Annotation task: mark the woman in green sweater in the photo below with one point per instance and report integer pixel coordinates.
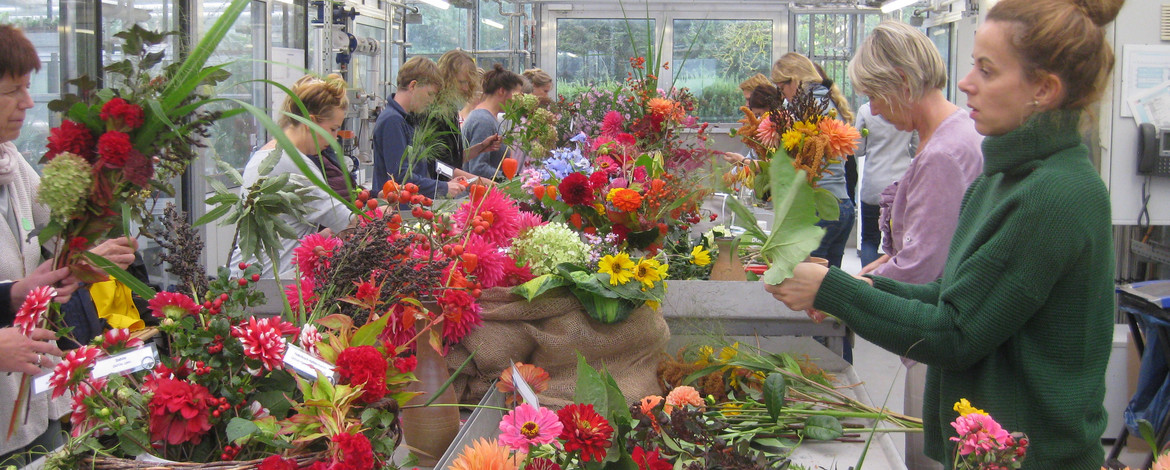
(1021, 322)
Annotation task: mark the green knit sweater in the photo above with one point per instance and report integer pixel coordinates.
(1021, 322)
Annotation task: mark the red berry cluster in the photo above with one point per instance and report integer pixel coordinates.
(201, 368)
(230, 451)
(216, 346)
(214, 307)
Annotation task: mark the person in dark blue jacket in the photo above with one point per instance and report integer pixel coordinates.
(418, 81)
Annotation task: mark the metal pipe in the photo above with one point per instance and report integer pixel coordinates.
(391, 3)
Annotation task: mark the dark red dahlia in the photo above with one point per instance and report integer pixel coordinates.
(114, 148)
(585, 431)
(118, 110)
(179, 412)
(365, 366)
(70, 137)
(650, 460)
(575, 189)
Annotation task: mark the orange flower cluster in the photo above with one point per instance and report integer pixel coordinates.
(625, 199)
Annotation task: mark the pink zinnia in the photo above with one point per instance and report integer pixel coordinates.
(172, 305)
(82, 417)
(263, 340)
(768, 134)
(489, 269)
(35, 304)
(73, 369)
(504, 216)
(526, 426)
(313, 253)
(979, 433)
(118, 339)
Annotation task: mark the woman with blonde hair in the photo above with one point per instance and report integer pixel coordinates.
(461, 85)
(902, 73)
(1021, 322)
(325, 102)
(795, 73)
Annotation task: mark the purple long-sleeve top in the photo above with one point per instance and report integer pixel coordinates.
(920, 211)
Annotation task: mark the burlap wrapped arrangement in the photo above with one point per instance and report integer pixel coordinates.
(549, 332)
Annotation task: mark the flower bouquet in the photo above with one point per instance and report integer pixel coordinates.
(794, 144)
(982, 444)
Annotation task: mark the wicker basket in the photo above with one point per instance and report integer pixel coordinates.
(114, 463)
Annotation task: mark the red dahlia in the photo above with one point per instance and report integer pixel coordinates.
(650, 460)
(179, 412)
(173, 305)
(585, 431)
(575, 189)
(70, 137)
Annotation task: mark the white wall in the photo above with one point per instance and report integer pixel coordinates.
(1136, 24)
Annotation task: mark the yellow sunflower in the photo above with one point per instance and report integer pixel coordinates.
(700, 256)
(649, 271)
(620, 268)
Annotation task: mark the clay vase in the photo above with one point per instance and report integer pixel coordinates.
(429, 430)
(726, 266)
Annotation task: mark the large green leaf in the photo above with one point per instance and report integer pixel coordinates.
(239, 428)
(539, 285)
(823, 428)
(775, 388)
(794, 232)
(136, 286)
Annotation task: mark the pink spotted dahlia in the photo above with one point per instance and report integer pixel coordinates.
(263, 339)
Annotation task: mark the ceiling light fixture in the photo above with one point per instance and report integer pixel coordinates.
(894, 5)
(493, 23)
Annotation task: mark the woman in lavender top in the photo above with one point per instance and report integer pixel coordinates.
(902, 73)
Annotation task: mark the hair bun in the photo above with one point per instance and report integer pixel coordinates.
(1101, 12)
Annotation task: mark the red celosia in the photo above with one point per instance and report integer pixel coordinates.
(36, 302)
(263, 339)
(172, 304)
(118, 339)
(649, 460)
(585, 431)
(82, 417)
(460, 314)
(118, 110)
(276, 462)
(71, 137)
(354, 452)
(73, 369)
(114, 148)
(576, 190)
(179, 412)
(406, 364)
(365, 366)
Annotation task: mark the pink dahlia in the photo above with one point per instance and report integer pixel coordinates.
(313, 253)
(73, 369)
(498, 210)
(34, 306)
(979, 433)
(301, 294)
(607, 165)
(525, 426)
(81, 415)
(460, 314)
(612, 124)
(172, 305)
(263, 339)
(491, 262)
(527, 220)
(768, 134)
(117, 340)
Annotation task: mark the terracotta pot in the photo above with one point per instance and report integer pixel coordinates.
(429, 430)
(816, 260)
(726, 266)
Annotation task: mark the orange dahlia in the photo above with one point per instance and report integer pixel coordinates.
(534, 376)
(661, 107)
(842, 137)
(768, 134)
(625, 199)
(485, 454)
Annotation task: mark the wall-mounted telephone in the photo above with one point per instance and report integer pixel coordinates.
(1153, 150)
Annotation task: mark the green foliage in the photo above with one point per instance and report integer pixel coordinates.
(720, 101)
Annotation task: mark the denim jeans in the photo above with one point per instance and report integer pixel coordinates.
(871, 234)
(1151, 401)
(836, 234)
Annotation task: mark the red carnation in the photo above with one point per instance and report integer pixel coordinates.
(575, 189)
(118, 110)
(70, 137)
(114, 148)
(585, 431)
(354, 452)
(276, 462)
(179, 412)
(365, 366)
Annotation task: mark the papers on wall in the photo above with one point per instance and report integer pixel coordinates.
(1144, 67)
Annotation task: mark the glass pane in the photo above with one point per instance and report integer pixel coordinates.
(366, 68)
(493, 26)
(941, 36)
(153, 15)
(289, 25)
(713, 56)
(440, 31)
(595, 52)
(39, 20)
(802, 32)
(232, 140)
